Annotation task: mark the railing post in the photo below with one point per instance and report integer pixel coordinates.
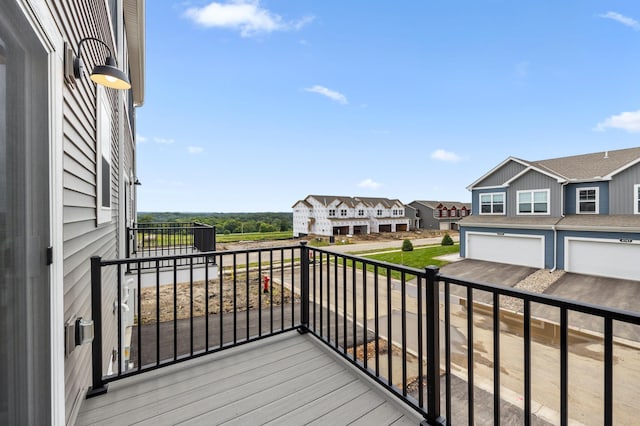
(98, 387)
(304, 287)
(432, 308)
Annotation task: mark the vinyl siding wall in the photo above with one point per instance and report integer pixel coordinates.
(603, 196)
(501, 175)
(621, 190)
(83, 238)
(427, 221)
(532, 181)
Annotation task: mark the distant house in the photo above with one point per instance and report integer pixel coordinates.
(579, 213)
(335, 215)
(440, 215)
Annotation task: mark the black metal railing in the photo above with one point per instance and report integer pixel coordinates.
(418, 333)
(220, 300)
(168, 239)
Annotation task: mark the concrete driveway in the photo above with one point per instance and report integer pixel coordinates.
(484, 272)
(609, 292)
(487, 272)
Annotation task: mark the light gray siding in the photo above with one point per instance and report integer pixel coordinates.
(621, 190)
(82, 236)
(501, 175)
(427, 221)
(534, 180)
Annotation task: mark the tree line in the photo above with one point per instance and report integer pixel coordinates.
(226, 223)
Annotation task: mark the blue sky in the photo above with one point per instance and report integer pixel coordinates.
(253, 105)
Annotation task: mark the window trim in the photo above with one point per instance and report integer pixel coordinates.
(636, 198)
(492, 194)
(103, 134)
(532, 192)
(597, 200)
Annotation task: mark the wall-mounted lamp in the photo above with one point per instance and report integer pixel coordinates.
(107, 75)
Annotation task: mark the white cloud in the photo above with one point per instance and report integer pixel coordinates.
(442, 155)
(247, 16)
(370, 184)
(163, 141)
(624, 20)
(141, 139)
(629, 121)
(195, 149)
(331, 94)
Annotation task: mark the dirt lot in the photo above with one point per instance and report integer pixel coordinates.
(183, 297)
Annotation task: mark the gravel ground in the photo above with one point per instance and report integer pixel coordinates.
(537, 282)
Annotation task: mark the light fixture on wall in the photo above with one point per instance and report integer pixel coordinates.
(106, 75)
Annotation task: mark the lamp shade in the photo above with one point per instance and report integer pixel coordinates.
(110, 76)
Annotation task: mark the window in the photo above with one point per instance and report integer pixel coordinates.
(343, 212)
(587, 201)
(332, 212)
(378, 212)
(103, 154)
(360, 212)
(636, 199)
(533, 202)
(492, 203)
(401, 212)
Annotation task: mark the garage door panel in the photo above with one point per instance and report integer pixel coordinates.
(603, 258)
(511, 249)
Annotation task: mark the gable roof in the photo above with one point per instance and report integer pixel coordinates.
(434, 204)
(598, 165)
(586, 167)
(354, 201)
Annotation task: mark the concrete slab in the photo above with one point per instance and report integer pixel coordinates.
(487, 272)
(610, 292)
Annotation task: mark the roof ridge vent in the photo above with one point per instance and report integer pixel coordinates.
(606, 154)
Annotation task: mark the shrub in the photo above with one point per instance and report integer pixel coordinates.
(407, 245)
(447, 240)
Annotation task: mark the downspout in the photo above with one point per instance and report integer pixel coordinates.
(555, 248)
(555, 230)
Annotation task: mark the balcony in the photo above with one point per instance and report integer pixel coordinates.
(294, 335)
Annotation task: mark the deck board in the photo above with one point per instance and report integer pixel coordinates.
(286, 379)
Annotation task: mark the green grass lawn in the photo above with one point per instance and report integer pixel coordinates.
(418, 258)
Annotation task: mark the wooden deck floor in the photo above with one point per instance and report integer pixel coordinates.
(289, 379)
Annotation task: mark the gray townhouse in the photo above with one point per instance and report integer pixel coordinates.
(579, 213)
(439, 215)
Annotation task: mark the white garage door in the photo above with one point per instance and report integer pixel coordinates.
(608, 258)
(522, 250)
